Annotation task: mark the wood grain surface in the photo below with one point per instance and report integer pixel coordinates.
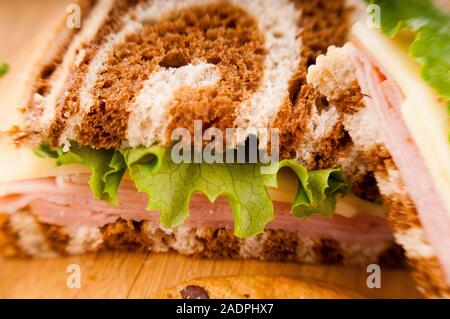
(139, 275)
(123, 274)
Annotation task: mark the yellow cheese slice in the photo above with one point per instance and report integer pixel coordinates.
(21, 164)
(348, 206)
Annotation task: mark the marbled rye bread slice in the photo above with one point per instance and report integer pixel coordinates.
(335, 75)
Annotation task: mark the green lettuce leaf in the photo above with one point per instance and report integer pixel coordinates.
(112, 178)
(46, 150)
(431, 46)
(4, 67)
(170, 187)
(316, 194)
(107, 166)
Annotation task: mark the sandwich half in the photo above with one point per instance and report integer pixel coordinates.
(94, 168)
(401, 123)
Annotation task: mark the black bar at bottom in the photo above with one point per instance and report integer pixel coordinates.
(219, 308)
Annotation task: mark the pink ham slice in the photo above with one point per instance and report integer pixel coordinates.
(386, 98)
(67, 201)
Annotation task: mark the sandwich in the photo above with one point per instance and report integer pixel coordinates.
(139, 132)
(95, 140)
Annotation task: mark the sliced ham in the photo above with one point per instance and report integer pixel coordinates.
(386, 98)
(67, 201)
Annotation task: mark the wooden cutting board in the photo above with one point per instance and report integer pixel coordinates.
(122, 274)
(139, 275)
